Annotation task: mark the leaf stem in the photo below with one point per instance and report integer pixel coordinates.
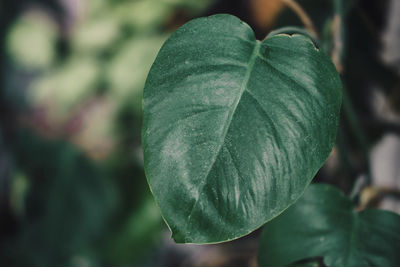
(302, 14)
(338, 56)
(339, 35)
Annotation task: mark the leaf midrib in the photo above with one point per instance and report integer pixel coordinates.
(352, 237)
(249, 69)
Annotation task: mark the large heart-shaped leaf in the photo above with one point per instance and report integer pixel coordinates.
(234, 129)
(323, 223)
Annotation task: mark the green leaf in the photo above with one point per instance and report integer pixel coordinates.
(235, 129)
(323, 223)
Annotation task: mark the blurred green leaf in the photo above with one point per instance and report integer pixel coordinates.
(191, 5)
(128, 69)
(31, 40)
(323, 223)
(146, 15)
(308, 264)
(66, 206)
(95, 7)
(142, 15)
(140, 233)
(64, 87)
(95, 35)
(19, 189)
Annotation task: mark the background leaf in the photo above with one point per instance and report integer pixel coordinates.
(235, 129)
(324, 223)
(66, 205)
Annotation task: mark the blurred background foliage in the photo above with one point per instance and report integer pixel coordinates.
(72, 186)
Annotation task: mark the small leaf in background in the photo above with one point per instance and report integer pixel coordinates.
(31, 40)
(142, 15)
(323, 223)
(93, 8)
(190, 5)
(64, 87)
(235, 129)
(18, 192)
(94, 120)
(147, 15)
(127, 70)
(95, 35)
(140, 233)
(66, 205)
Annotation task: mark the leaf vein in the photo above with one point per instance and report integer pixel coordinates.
(243, 86)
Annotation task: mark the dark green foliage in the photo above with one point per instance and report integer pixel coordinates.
(323, 223)
(66, 205)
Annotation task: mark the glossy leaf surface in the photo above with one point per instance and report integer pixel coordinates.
(234, 129)
(323, 223)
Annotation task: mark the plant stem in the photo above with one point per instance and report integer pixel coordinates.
(339, 35)
(338, 56)
(301, 13)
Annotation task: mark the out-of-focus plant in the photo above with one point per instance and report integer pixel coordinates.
(79, 80)
(32, 42)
